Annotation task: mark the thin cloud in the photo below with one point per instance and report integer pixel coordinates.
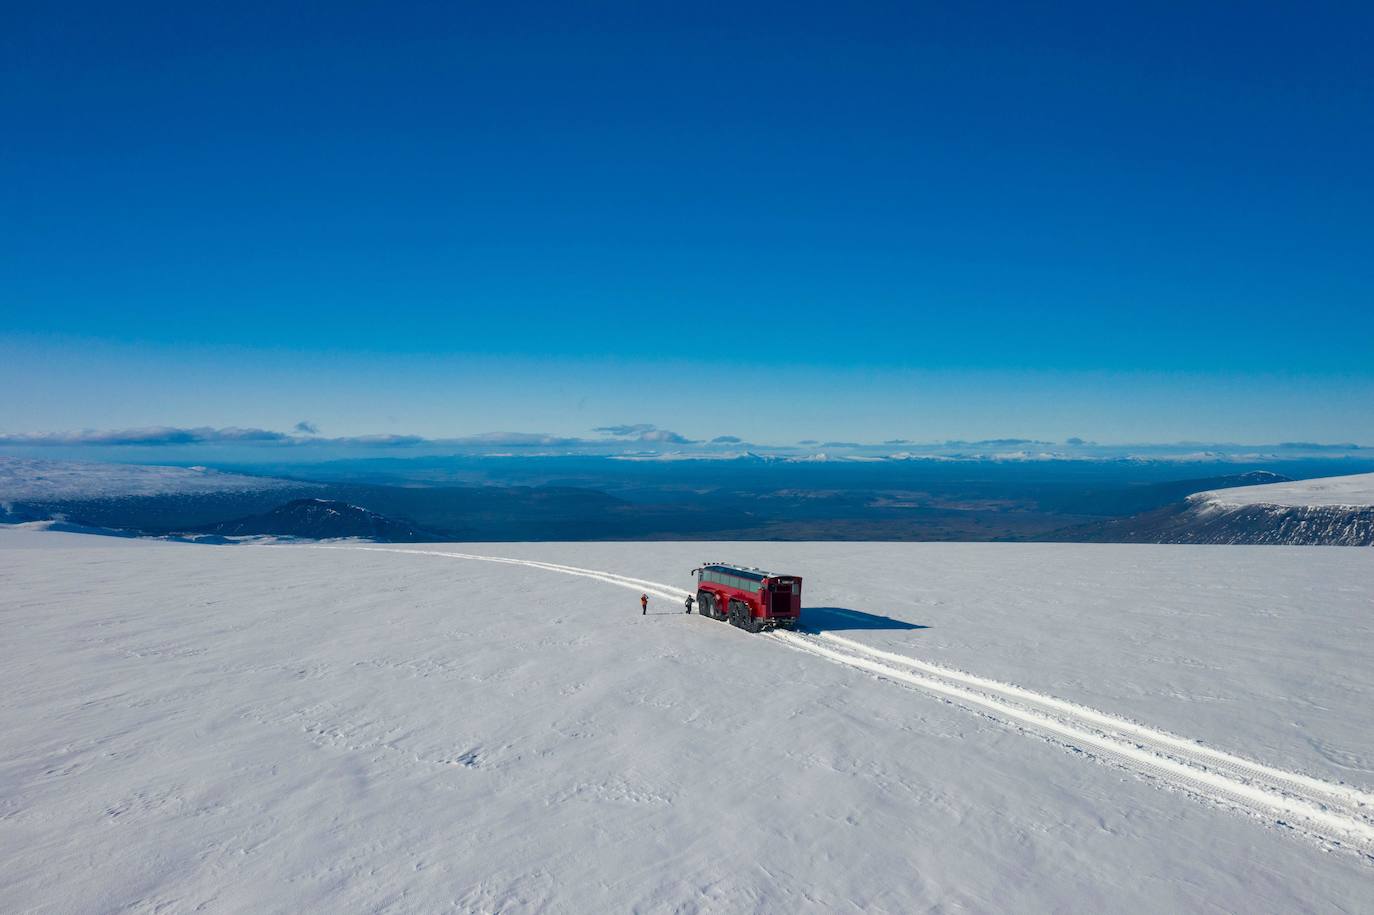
(1318, 446)
(664, 436)
(652, 438)
(306, 427)
(160, 436)
(515, 440)
(995, 442)
(378, 440)
(626, 429)
(646, 433)
(148, 436)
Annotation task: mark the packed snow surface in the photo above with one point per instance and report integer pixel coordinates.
(969, 727)
(1355, 490)
(22, 479)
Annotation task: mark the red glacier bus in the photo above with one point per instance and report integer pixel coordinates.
(751, 599)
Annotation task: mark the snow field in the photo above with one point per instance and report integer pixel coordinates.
(290, 728)
(1353, 491)
(1338, 815)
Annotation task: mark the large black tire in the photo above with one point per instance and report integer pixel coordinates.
(747, 621)
(705, 606)
(741, 617)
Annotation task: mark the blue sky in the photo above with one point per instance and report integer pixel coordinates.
(792, 221)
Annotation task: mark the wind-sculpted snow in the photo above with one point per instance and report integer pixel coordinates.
(29, 480)
(484, 728)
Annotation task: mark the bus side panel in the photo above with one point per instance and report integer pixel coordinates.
(724, 594)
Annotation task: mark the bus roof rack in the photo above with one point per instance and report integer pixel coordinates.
(736, 567)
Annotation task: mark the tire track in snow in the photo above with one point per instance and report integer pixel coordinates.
(1313, 813)
(1355, 800)
(1334, 814)
(655, 588)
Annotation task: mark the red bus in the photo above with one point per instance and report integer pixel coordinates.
(751, 599)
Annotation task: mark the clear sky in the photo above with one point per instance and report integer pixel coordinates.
(1126, 222)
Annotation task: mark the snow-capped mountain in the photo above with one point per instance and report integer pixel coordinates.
(1333, 510)
(1330, 511)
(1352, 491)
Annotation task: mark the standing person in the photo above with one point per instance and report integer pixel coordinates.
(688, 604)
(643, 605)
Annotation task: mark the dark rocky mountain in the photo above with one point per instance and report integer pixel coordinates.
(320, 519)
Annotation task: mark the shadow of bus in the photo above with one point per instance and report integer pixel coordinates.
(835, 619)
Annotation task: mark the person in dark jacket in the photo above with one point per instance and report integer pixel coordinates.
(643, 605)
(688, 603)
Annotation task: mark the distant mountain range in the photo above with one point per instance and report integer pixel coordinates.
(169, 502)
(580, 499)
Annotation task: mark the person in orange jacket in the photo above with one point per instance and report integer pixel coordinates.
(643, 605)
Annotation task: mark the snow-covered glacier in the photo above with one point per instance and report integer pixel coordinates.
(1330, 511)
(481, 728)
